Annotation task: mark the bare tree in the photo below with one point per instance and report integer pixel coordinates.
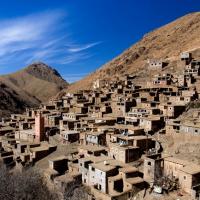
(80, 194)
(75, 191)
(28, 185)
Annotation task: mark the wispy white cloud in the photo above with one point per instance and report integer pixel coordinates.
(26, 32)
(78, 48)
(75, 57)
(41, 36)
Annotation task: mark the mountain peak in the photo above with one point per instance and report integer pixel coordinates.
(30, 86)
(43, 71)
(40, 68)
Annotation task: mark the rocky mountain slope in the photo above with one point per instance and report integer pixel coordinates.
(29, 87)
(165, 43)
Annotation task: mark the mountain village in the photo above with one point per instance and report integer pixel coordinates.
(112, 135)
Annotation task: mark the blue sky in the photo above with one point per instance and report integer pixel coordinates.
(78, 36)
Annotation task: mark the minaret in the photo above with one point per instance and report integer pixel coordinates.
(39, 127)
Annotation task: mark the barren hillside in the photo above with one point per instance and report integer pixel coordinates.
(166, 43)
(29, 87)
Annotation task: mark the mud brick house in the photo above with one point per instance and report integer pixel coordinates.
(172, 126)
(112, 179)
(59, 164)
(190, 127)
(84, 167)
(52, 119)
(186, 56)
(37, 153)
(99, 84)
(122, 185)
(179, 80)
(187, 174)
(164, 79)
(121, 106)
(153, 167)
(113, 127)
(6, 129)
(68, 124)
(143, 112)
(131, 119)
(186, 126)
(193, 68)
(156, 64)
(129, 130)
(26, 135)
(124, 153)
(67, 101)
(70, 136)
(171, 110)
(88, 150)
(81, 108)
(48, 107)
(97, 138)
(151, 96)
(152, 123)
(73, 116)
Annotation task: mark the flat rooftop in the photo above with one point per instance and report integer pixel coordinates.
(41, 148)
(91, 148)
(27, 131)
(137, 137)
(188, 167)
(128, 169)
(151, 118)
(96, 159)
(129, 127)
(94, 133)
(134, 180)
(191, 169)
(62, 157)
(108, 165)
(69, 132)
(7, 128)
(103, 167)
(123, 147)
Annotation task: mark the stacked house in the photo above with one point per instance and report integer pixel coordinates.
(113, 126)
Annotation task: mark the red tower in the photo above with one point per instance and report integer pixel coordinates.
(39, 127)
